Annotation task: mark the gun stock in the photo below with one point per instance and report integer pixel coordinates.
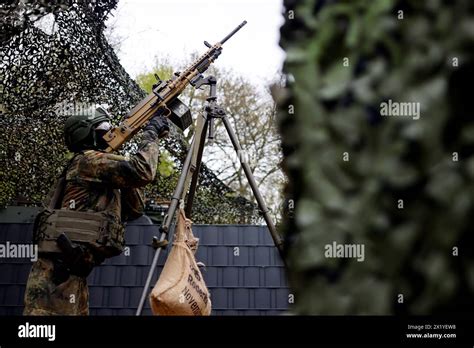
(164, 98)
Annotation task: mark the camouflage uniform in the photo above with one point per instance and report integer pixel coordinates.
(94, 181)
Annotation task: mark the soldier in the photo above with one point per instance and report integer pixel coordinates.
(83, 222)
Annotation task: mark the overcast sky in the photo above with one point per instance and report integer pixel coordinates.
(176, 28)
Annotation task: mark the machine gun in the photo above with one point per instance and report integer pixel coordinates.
(164, 98)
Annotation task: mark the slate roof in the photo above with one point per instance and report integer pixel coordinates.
(249, 280)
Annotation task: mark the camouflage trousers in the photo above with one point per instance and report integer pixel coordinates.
(44, 297)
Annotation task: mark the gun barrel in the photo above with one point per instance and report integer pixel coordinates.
(233, 32)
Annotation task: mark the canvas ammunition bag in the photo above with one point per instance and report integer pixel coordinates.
(181, 289)
(101, 231)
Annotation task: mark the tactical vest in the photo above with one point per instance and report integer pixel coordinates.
(102, 231)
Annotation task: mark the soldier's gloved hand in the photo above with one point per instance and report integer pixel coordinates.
(159, 124)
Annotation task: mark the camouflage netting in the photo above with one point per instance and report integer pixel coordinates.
(55, 53)
(401, 187)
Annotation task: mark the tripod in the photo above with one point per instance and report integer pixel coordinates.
(190, 175)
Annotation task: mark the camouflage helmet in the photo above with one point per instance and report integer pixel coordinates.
(79, 129)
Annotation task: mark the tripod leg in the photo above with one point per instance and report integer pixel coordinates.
(178, 193)
(195, 169)
(165, 228)
(261, 203)
(149, 277)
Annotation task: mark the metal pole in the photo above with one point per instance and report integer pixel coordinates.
(196, 169)
(248, 172)
(208, 123)
(166, 224)
(149, 277)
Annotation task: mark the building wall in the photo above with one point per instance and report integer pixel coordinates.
(249, 280)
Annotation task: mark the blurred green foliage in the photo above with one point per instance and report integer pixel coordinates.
(406, 51)
(166, 165)
(146, 80)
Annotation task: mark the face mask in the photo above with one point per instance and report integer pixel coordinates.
(99, 133)
(104, 126)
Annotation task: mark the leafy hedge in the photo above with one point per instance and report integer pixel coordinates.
(401, 187)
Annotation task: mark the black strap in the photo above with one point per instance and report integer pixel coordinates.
(60, 185)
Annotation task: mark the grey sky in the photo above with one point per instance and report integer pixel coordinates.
(176, 28)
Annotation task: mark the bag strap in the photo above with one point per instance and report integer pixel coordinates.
(181, 232)
(60, 185)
